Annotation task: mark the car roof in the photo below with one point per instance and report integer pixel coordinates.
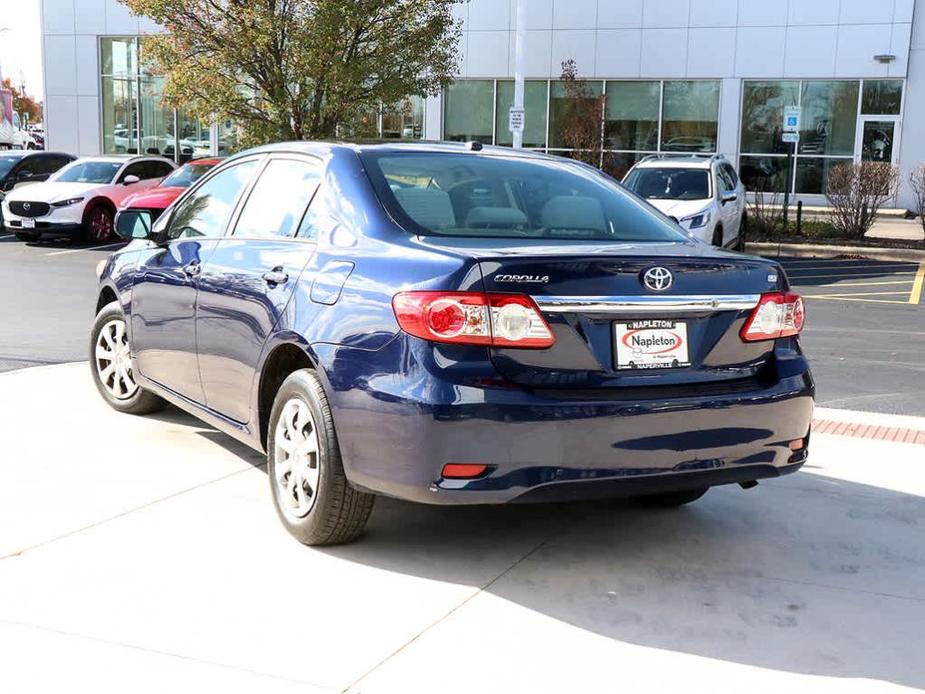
(679, 162)
(122, 158)
(211, 161)
(322, 147)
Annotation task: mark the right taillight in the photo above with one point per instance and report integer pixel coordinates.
(473, 318)
(778, 314)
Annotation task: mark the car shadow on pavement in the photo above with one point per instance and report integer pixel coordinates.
(807, 574)
(175, 416)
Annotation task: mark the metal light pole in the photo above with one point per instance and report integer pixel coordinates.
(519, 40)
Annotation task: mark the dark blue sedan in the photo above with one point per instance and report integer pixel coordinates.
(452, 325)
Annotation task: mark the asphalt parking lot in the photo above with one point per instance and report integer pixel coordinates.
(865, 331)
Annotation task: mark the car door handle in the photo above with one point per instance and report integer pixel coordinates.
(276, 276)
(192, 268)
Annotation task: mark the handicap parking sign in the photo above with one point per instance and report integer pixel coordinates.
(791, 119)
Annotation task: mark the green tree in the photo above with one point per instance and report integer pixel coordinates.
(298, 69)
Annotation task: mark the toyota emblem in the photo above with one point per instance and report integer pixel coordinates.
(658, 279)
(26, 206)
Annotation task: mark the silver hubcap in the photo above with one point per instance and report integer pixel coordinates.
(295, 459)
(114, 361)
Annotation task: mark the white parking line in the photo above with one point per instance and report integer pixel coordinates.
(91, 248)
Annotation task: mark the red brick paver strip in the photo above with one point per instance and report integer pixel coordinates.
(870, 431)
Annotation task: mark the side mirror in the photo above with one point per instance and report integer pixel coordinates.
(134, 224)
(729, 196)
(130, 179)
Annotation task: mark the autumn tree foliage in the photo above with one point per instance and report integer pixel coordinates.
(298, 69)
(24, 104)
(580, 117)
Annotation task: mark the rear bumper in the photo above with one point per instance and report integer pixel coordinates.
(544, 449)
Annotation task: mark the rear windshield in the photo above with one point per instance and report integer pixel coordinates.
(88, 172)
(482, 195)
(670, 183)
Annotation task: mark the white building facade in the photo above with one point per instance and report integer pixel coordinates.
(675, 76)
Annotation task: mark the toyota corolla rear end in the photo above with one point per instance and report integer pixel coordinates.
(585, 348)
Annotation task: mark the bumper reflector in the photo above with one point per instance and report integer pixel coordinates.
(796, 444)
(463, 470)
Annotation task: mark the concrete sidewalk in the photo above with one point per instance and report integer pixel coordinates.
(143, 555)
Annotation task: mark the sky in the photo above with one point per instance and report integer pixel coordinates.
(21, 44)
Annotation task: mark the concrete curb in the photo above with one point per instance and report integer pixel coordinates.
(806, 250)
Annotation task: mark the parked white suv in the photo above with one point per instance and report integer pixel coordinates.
(702, 193)
(82, 198)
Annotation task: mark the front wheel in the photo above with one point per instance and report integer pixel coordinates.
(111, 364)
(98, 226)
(311, 493)
(673, 499)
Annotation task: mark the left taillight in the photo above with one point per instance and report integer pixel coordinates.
(474, 318)
(778, 314)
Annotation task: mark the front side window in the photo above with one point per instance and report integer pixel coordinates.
(277, 203)
(206, 210)
(139, 169)
(89, 172)
(669, 183)
(7, 164)
(448, 194)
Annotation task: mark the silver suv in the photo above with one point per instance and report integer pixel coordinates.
(702, 193)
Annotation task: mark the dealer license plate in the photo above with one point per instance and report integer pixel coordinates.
(28, 223)
(651, 344)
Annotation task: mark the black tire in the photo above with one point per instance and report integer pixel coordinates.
(138, 402)
(339, 512)
(27, 237)
(718, 236)
(673, 499)
(105, 232)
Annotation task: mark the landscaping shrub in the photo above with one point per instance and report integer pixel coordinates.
(856, 191)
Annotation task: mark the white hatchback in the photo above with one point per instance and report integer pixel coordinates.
(82, 198)
(702, 193)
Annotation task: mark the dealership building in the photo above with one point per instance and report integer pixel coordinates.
(710, 76)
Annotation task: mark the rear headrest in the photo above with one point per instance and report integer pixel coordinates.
(488, 217)
(573, 212)
(429, 207)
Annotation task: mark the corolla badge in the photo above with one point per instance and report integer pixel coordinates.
(534, 279)
(658, 279)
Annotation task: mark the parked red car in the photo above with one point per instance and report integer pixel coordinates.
(158, 199)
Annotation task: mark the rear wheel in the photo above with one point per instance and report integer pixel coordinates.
(718, 236)
(98, 223)
(672, 499)
(111, 365)
(310, 491)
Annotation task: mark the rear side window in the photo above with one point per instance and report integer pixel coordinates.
(437, 193)
(278, 200)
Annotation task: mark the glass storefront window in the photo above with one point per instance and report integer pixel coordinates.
(194, 138)
(535, 96)
(404, 120)
(763, 114)
(560, 106)
(631, 116)
(829, 117)
(812, 173)
(467, 111)
(157, 120)
(764, 174)
(690, 112)
(120, 131)
(119, 57)
(882, 97)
